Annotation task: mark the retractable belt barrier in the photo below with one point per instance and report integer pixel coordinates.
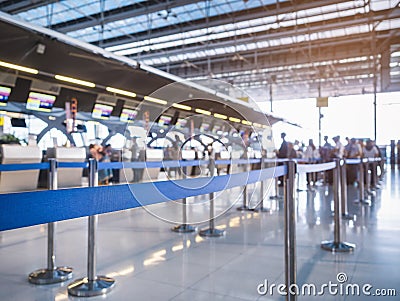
(26, 208)
(25, 166)
(85, 201)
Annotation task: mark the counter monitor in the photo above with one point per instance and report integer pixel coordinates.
(40, 102)
(4, 94)
(101, 111)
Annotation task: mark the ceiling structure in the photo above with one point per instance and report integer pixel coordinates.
(272, 48)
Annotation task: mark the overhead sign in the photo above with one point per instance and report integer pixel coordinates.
(322, 102)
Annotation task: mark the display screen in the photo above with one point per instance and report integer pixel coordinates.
(204, 127)
(128, 115)
(101, 111)
(40, 102)
(4, 94)
(181, 123)
(164, 120)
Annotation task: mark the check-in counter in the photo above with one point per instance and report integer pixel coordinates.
(68, 177)
(188, 154)
(24, 180)
(151, 174)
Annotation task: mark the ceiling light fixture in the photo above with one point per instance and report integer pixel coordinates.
(220, 116)
(155, 100)
(183, 107)
(204, 112)
(19, 68)
(74, 81)
(233, 119)
(119, 91)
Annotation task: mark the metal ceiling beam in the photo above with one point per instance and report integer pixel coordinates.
(15, 7)
(234, 17)
(321, 50)
(121, 13)
(276, 34)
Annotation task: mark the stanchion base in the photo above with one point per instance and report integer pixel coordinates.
(262, 209)
(342, 247)
(184, 228)
(84, 288)
(350, 217)
(362, 202)
(46, 276)
(211, 233)
(276, 197)
(244, 208)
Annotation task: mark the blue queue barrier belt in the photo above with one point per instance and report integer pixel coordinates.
(170, 163)
(33, 208)
(307, 168)
(352, 161)
(364, 160)
(25, 166)
(72, 164)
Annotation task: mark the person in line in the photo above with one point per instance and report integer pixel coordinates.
(283, 150)
(282, 154)
(291, 152)
(352, 151)
(370, 150)
(311, 154)
(326, 156)
(98, 152)
(135, 158)
(338, 150)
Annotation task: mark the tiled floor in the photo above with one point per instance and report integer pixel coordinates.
(150, 262)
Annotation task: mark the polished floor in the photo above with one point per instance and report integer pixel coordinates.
(150, 262)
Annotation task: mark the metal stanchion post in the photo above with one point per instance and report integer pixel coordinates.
(362, 193)
(211, 231)
(262, 208)
(337, 245)
(52, 274)
(184, 227)
(277, 196)
(343, 189)
(368, 180)
(290, 229)
(374, 174)
(245, 206)
(92, 285)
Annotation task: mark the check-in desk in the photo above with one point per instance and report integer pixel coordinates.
(151, 174)
(24, 180)
(68, 177)
(188, 155)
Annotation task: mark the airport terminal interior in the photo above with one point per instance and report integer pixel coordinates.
(199, 150)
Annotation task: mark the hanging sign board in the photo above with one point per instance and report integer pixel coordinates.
(322, 102)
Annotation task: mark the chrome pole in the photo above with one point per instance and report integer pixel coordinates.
(262, 208)
(337, 245)
(343, 190)
(245, 206)
(361, 191)
(92, 285)
(52, 274)
(211, 231)
(184, 227)
(290, 229)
